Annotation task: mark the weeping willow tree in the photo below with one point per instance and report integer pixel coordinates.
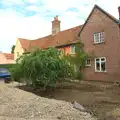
(42, 68)
(77, 60)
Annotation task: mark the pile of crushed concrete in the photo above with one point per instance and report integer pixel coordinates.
(16, 104)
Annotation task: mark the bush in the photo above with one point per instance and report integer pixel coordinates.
(42, 68)
(78, 75)
(8, 66)
(16, 72)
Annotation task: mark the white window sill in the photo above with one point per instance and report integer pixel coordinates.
(88, 65)
(101, 71)
(95, 43)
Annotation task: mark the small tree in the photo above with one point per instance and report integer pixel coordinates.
(42, 68)
(12, 49)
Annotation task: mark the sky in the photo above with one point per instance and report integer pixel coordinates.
(31, 19)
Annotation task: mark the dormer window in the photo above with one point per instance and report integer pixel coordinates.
(99, 37)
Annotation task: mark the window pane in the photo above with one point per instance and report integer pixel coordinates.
(98, 66)
(97, 60)
(102, 37)
(103, 68)
(72, 49)
(103, 59)
(99, 37)
(96, 37)
(88, 61)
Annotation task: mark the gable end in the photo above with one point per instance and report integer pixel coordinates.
(104, 12)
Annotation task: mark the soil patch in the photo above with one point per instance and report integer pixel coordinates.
(16, 104)
(97, 97)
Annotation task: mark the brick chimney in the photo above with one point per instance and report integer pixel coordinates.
(119, 13)
(55, 25)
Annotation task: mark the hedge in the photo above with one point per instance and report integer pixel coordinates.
(6, 65)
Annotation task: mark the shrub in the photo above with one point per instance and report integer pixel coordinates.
(16, 72)
(42, 68)
(6, 65)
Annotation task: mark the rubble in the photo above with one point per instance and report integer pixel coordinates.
(16, 104)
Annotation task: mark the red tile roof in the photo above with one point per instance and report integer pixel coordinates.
(9, 56)
(62, 38)
(24, 42)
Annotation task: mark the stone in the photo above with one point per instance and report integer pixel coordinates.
(78, 106)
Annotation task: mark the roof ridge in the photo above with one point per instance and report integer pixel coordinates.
(7, 53)
(71, 28)
(42, 37)
(106, 12)
(49, 34)
(24, 39)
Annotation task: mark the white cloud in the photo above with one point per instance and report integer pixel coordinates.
(33, 1)
(33, 8)
(69, 20)
(110, 6)
(14, 24)
(61, 5)
(11, 2)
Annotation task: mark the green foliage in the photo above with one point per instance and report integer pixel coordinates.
(42, 68)
(6, 65)
(16, 72)
(78, 60)
(12, 49)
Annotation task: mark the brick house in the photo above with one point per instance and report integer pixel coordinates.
(100, 35)
(6, 58)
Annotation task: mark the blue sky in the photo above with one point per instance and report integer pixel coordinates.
(32, 18)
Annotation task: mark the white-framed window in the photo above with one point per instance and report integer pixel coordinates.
(100, 64)
(73, 49)
(99, 37)
(88, 62)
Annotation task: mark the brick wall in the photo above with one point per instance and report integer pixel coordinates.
(99, 22)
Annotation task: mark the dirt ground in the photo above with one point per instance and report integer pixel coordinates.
(99, 98)
(16, 104)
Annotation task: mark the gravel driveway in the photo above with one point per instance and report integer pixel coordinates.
(16, 104)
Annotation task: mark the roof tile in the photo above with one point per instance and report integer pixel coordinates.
(62, 38)
(9, 56)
